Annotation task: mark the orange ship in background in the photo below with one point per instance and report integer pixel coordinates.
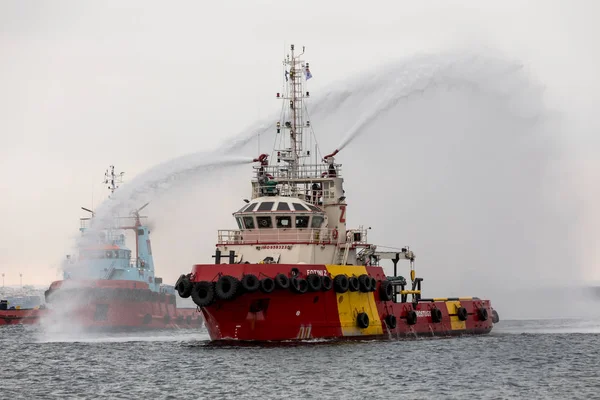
(293, 270)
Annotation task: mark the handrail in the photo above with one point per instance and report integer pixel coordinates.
(288, 236)
(304, 171)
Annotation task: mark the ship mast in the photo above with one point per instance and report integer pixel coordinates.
(111, 179)
(294, 122)
(293, 175)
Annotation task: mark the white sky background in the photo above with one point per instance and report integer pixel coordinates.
(85, 85)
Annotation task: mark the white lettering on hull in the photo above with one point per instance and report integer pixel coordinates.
(423, 313)
(319, 272)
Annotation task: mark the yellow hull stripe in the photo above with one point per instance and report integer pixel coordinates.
(455, 323)
(349, 304)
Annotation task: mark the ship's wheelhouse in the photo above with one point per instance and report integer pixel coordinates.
(277, 220)
(279, 213)
(110, 252)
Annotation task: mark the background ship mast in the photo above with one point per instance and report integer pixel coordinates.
(111, 179)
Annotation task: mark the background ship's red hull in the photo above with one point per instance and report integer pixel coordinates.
(120, 316)
(285, 315)
(107, 305)
(24, 317)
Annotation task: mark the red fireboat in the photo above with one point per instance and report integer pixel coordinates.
(292, 270)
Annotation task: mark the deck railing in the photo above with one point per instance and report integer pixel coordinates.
(305, 171)
(290, 236)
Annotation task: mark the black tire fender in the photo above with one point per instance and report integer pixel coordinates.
(267, 285)
(362, 320)
(250, 283)
(203, 293)
(282, 281)
(353, 284)
(386, 291)
(364, 283)
(341, 284)
(314, 282)
(227, 287)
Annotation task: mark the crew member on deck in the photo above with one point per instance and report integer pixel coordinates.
(331, 171)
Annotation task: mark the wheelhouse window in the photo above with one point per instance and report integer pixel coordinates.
(265, 206)
(283, 207)
(264, 222)
(249, 223)
(284, 221)
(302, 221)
(317, 220)
(250, 207)
(299, 207)
(239, 222)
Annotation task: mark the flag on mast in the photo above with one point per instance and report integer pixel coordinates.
(307, 73)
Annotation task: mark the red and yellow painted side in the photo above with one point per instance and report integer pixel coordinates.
(285, 315)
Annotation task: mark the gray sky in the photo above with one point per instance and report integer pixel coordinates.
(137, 83)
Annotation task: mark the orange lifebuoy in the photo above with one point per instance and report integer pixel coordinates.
(334, 234)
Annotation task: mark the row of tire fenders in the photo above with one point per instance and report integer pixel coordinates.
(227, 287)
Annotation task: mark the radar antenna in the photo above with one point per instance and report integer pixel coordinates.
(136, 214)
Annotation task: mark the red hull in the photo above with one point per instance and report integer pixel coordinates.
(285, 315)
(24, 317)
(107, 305)
(119, 317)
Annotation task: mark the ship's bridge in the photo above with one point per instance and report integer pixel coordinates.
(277, 219)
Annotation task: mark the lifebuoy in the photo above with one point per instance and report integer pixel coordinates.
(334, 234)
